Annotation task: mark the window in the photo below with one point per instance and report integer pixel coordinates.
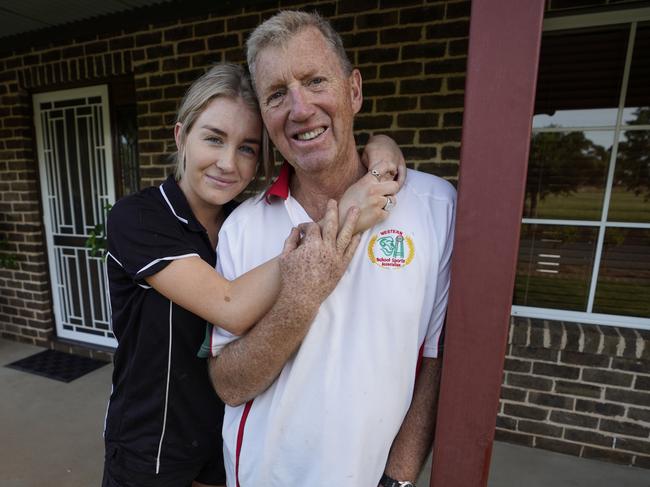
(585, 240)
(125, 145)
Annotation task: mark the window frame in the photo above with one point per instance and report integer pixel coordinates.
(569, 23)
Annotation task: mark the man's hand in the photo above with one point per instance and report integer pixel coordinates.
(310, 269)
(315, 267)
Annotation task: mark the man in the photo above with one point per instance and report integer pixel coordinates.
(330, 387)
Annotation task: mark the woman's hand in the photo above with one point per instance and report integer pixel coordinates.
(382, 154)
(370, 197)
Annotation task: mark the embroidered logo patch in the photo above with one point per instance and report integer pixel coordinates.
(391, 249)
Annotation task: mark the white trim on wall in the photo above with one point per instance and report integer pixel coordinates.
(598, 19)
(581, 317)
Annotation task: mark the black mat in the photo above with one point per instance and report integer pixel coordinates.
(57, 365)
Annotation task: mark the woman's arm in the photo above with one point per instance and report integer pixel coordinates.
(237, 305)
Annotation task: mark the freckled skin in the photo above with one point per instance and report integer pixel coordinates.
(309, 274)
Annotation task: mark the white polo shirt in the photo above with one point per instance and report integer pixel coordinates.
(331, 416)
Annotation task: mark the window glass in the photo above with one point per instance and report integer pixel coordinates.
(630, 200)
(127, 145)
(588, 185)
(555, 266)
(579, 78)
(567, 172)
(623, 286)
(637, 101)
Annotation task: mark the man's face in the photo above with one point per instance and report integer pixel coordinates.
(308, 104)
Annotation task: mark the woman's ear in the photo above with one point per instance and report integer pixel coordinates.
(177, 135)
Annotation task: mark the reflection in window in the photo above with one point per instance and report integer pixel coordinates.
(624, 279)
(638, 91)
(630, 201)
(555, 265)
(127, 144)
(567, 172)
(580, 76)
(589, 164)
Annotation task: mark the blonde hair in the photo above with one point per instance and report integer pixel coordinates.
(226, 79)
(279, 29)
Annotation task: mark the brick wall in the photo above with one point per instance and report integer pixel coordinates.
(412, 55)
(577, 389)
(24, 289)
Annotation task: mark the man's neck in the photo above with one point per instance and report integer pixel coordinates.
(313, 191)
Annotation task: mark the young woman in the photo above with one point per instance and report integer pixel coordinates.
(163, 425)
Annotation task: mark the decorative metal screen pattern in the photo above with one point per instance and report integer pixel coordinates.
(77, 183)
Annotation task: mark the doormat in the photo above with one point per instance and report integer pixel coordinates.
(57, 365)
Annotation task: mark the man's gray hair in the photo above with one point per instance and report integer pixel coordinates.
(279, 29)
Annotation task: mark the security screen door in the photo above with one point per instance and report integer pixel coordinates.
(76, 173)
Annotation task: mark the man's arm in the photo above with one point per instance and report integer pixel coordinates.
(247, 366)
(415, 437)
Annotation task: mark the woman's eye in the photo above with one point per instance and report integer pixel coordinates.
(248, 150)
(214, 140)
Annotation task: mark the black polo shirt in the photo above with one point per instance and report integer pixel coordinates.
(163, 413)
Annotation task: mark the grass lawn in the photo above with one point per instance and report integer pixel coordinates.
(587, 204)
(612, 297)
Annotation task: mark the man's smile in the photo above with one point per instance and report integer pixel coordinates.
(309, 135)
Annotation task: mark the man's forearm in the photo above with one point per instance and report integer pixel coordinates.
(413, 442)
(246, 367)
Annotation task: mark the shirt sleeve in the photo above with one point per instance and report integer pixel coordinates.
(439, 310)
(143, 237)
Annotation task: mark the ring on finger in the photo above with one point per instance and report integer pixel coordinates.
(389, 204)
(376, 174)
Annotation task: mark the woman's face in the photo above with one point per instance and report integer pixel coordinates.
(221, 152)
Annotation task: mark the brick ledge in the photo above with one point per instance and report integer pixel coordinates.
(579, 337)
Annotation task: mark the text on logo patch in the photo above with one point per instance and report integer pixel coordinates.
(391, 249)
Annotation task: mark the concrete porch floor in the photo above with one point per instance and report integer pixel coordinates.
(52, 436)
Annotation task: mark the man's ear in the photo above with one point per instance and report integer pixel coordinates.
(356, 93)
(177, 134)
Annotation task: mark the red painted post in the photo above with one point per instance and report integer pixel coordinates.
(503, 55)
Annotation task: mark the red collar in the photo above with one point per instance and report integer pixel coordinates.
(280, 187)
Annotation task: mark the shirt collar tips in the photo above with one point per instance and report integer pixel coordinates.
(280, 187)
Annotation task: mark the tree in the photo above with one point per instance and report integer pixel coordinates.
(633, 164)
(560, 163)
